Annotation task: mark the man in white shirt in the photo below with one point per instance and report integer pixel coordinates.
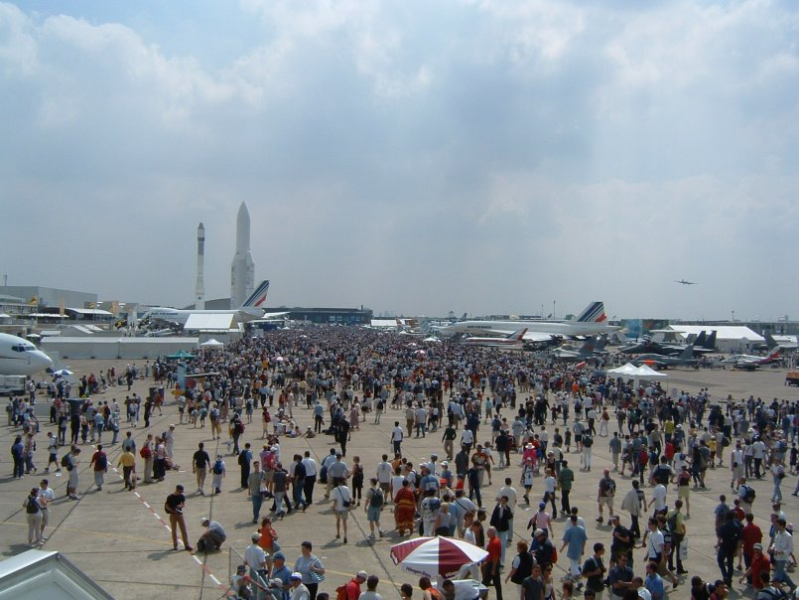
(384, 473)
(311, 471)
(255, 557)
(467, 438)
(758, 453)
(782, 548)
(658, 498)
(397, 435)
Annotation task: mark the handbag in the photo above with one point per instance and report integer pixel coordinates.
(314, 576)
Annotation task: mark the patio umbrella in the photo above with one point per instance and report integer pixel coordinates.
(63, 373)
(433, 556)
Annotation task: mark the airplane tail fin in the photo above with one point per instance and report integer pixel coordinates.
(593, 313)
(771, 342)
(518, 335)
(588, 347)
(258, 297)
(710, 342)
(688, 353)
(701, 339)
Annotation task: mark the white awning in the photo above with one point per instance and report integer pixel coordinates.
(209, 322)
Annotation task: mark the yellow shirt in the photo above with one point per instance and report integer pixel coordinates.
(128, 459)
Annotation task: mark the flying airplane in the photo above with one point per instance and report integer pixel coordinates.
(249, 311)
(749, 362)
(20, 357)
(513, 341)
(685, 358)
(592, 321)
(684, 282)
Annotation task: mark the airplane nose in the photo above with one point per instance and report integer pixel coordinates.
(41, 360)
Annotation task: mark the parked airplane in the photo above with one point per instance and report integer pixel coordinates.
(750, 362)
(592, 321)
(702, 344)
(249, 311)
(685, 358)
(684, 282)
(20, 357)
(513, 341)
(590, 349)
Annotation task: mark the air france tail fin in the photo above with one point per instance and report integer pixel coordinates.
(258, 297)
(593, 313)
(518, 335)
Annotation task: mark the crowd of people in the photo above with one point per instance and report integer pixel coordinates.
(497, 413)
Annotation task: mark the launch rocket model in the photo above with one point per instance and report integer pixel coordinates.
(199, 290)
(242, 270)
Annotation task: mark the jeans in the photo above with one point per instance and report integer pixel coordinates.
(298, 490)
(725, 560)
(565, 506)
(777, 496)
(780, 573)
(503, 537)
(19, 467)
(257, 501)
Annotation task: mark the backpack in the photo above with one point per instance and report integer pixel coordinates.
(101, 462)
(218, 468)
(376, 500)
(243, 458)
(749, 495)
(662, 476)
(31, 506)
(145, 452)
(66, 462)
(554, 554)
(341, 592)
(588, 441)
(671, 521)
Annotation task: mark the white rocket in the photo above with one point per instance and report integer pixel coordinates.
(199, 289)
(242, 270)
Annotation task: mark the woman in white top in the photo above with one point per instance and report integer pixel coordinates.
(550, 485)
(342, 500)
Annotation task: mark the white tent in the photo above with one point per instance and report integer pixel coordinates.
(628, 370)
(212, 343)
(648, 373)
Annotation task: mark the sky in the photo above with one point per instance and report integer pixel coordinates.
(411, 157)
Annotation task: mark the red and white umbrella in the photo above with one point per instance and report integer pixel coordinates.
(433, 556)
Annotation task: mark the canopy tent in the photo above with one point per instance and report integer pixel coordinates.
(180, 354)
(628, 370)
(212, 343)
(647, 372)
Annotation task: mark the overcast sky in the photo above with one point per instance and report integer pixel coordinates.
(417, 157)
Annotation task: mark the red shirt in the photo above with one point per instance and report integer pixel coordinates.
(494, 549)
(751, 536)
(353, 589)
(759, 565)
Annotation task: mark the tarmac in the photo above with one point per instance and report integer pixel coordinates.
(119, 538)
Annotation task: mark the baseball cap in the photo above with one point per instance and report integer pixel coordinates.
(255, 537)
(362, 574)
(444, 463)
(758, 546)
(296, 575)
(538, 532)
(542, 505)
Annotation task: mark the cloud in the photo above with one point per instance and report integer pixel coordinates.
(477, 156)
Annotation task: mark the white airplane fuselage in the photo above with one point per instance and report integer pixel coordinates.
(20, 357)
(565, 328)
(179, 317)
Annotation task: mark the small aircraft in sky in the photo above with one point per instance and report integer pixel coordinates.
(684, 282)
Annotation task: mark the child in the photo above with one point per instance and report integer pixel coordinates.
(794, 458)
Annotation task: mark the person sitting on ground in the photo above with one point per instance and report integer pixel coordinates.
(213, 537)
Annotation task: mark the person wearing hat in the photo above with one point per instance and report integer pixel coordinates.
(255, 557)
(298, 589)
(214, 536)
(280, 573)
(240, 582)
(353, 586)
(759, 564)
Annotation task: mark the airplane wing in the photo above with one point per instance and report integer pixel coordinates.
(273, 315)
(532, 336)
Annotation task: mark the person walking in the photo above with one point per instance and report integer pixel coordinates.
(100, 463)
(219, 471)
(574, 538)
(565, 478)
(310, 568)
(127, 461)
(342, 501)
(174, 508)
(70, 461)
(199, 466)
(491, 565)
(256, 485)
(311, 471)
(373, 506)
(244, 460)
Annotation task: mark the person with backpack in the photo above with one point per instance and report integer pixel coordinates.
(676, 525)
(373, 505)
(605, 495)
(33, 505)
(100, 463)
(218, 471)
(587, 447)
(244, 460)
(70, 462)
(747, 495)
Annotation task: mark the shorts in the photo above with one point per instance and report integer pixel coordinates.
(373, 514)
(606, 500)
(683, 491)
(343, 514)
